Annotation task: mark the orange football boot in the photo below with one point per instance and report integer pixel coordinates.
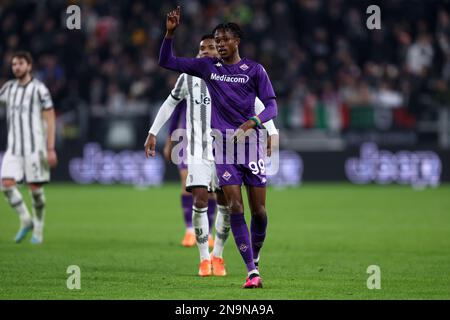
(218, 266)
(205, 268)
(189, 239)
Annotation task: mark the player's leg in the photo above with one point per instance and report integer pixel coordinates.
(240, 231)
(37, 173)
(15, 200)
(38, 201)
(222, 232)
(199, 182)
(258, 226)
(201, 227)
(186, 206)
(12, 171)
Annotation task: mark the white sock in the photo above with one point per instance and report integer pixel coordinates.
(38, 200)
(222, 230)
(15, 200)
(201, 226)
(253, 271)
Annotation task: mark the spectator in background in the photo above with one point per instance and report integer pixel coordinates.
(420, 55)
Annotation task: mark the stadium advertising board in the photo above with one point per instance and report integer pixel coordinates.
(368, 164)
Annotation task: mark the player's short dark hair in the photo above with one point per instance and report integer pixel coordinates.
(23, 55)
(207, 36)
(230, 26)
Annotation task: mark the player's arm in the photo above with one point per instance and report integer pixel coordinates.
(164, 113)
(3, 90)
(192, 66)
(161, 118)
(269, 125)
(266, 94)
(49, 118)
(264, 91)
(48, 115)
(173, 125)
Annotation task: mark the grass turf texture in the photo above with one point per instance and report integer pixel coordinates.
(321, 239)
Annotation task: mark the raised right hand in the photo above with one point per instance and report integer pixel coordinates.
(173, 20)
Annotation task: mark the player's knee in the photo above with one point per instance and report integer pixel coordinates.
(259, 212)
(200, 197)
(236, 206)
(200, 202)
(13, 196)
(7, 184)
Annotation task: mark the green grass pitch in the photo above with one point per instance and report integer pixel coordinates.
(321, 239)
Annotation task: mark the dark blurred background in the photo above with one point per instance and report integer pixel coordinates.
(339, 84)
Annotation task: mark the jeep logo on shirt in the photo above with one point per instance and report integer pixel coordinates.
(232, 78)
(204, 99)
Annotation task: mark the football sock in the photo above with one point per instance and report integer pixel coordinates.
(222, 230)
(200, 223)
(38, 199)
(15, 200)
(258, 228)
(242, 239)
(211, 213)
(186, 205)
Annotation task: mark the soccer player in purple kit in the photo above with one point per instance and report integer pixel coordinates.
(233, 83)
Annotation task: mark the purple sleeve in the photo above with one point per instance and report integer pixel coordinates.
(266, 94)
(179, 114)
(192, 66)
(269, 112)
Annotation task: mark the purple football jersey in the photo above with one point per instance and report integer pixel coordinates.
(233, 88)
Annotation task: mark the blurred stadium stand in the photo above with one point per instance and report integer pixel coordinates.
(338, 83)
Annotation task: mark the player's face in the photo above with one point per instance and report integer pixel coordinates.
(20, 67)
(226, 43)
(208, 49)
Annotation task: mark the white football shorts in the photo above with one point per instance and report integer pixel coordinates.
(32, 168)
(202, 174)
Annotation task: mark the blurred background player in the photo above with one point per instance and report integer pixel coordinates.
(233, 108)
(178, 121)
(31, 144)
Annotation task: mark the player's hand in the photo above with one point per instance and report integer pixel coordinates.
(173, 20)
(52, 158)
(240, 133)
(167, 149)
(150, 146)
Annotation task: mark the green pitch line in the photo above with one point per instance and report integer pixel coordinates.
(321, 239)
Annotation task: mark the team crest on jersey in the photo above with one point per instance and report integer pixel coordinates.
(244, 67)
(218, 64)
(226, 175)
